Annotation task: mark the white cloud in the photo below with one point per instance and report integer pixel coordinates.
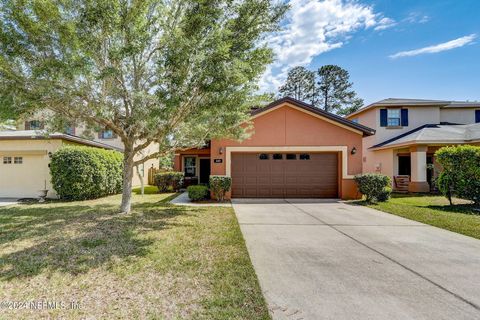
(417, 17)
(385, 23)
(449, 45)
(313, 27)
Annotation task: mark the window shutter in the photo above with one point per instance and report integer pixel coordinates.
(100, 134)
(383, 117)
(27, 125)
(477, 116)
(404, 117)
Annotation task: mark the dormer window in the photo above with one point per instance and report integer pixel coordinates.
(393, 117)
(34, 125)
(107, 134)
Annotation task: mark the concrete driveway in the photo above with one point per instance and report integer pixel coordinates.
(7, 201)
(330, 260)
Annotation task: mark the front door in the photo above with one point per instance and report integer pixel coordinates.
(204, 170)
(404, 165)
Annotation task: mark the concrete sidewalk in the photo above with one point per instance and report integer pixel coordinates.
(184, 200)
(7, 201)
(330, 260)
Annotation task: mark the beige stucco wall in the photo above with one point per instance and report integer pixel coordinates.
(152, 148)
(385, 161)
(26, 179)
(417, 116)
(457, 115)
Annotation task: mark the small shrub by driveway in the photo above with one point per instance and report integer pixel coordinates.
(160, 262)
(436, 211)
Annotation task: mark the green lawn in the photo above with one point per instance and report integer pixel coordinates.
(436, 211)
(160, 262)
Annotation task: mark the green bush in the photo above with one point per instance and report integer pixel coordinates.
(375, 187)
(198, 192)
(80, 173)
(460, 176)
(385, 194)
(170, 179)
(219, 186)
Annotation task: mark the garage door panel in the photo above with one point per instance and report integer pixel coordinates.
(295, 178)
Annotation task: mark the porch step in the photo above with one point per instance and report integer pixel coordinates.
(401, 183)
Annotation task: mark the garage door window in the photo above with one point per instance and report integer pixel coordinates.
(18, 160)
(291, 156)
(7, 160)
(304, 156)
(277, 156)
(263, 156)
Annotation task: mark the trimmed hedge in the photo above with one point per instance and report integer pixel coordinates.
(170, 179)
(80, 173)
(460, 176)
(219, 186)
(375, 187)
(197, 192)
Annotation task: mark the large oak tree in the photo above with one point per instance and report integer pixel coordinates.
(175, 73)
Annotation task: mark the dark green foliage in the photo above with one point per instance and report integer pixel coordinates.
(460, 176)
(219, 186)
(385, 194)
(169, 180)
(375, 187)
(300, 84)
(335, 90)
(198, 192)
(328, 88)
(80, 173)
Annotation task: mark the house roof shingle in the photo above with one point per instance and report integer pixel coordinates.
(42, 135)
(435, 133)
(401, 102)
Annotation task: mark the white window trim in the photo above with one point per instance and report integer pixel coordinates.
(197, 164)
(399, 117)
(342, 149)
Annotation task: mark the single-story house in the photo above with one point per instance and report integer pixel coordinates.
(295, 151)
(25, 157)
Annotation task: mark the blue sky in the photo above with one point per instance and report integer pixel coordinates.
(392, 48)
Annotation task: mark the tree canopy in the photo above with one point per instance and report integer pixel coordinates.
(175, 73)
(300, 84)
(328, 88)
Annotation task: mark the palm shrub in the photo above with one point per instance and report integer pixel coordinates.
(220, 185)
(80, 173)
(197, 192)
(460, 176)
(375, 187)
(170, 179)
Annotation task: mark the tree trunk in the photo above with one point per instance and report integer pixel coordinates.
(127, 181)
(140, 177)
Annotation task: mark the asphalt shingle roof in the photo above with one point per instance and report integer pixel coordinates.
(430, 133)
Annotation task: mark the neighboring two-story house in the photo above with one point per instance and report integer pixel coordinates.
(409, 131)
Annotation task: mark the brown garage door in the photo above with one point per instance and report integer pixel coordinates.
(270, 175)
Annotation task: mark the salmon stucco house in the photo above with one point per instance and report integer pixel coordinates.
(295, 151)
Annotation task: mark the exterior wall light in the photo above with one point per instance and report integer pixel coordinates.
(220, 150)
(354, 150)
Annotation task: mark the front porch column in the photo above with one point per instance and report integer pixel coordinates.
(418, 179)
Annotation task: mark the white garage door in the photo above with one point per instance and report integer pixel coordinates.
(23, 175)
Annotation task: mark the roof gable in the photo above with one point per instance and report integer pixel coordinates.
(304, 107)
